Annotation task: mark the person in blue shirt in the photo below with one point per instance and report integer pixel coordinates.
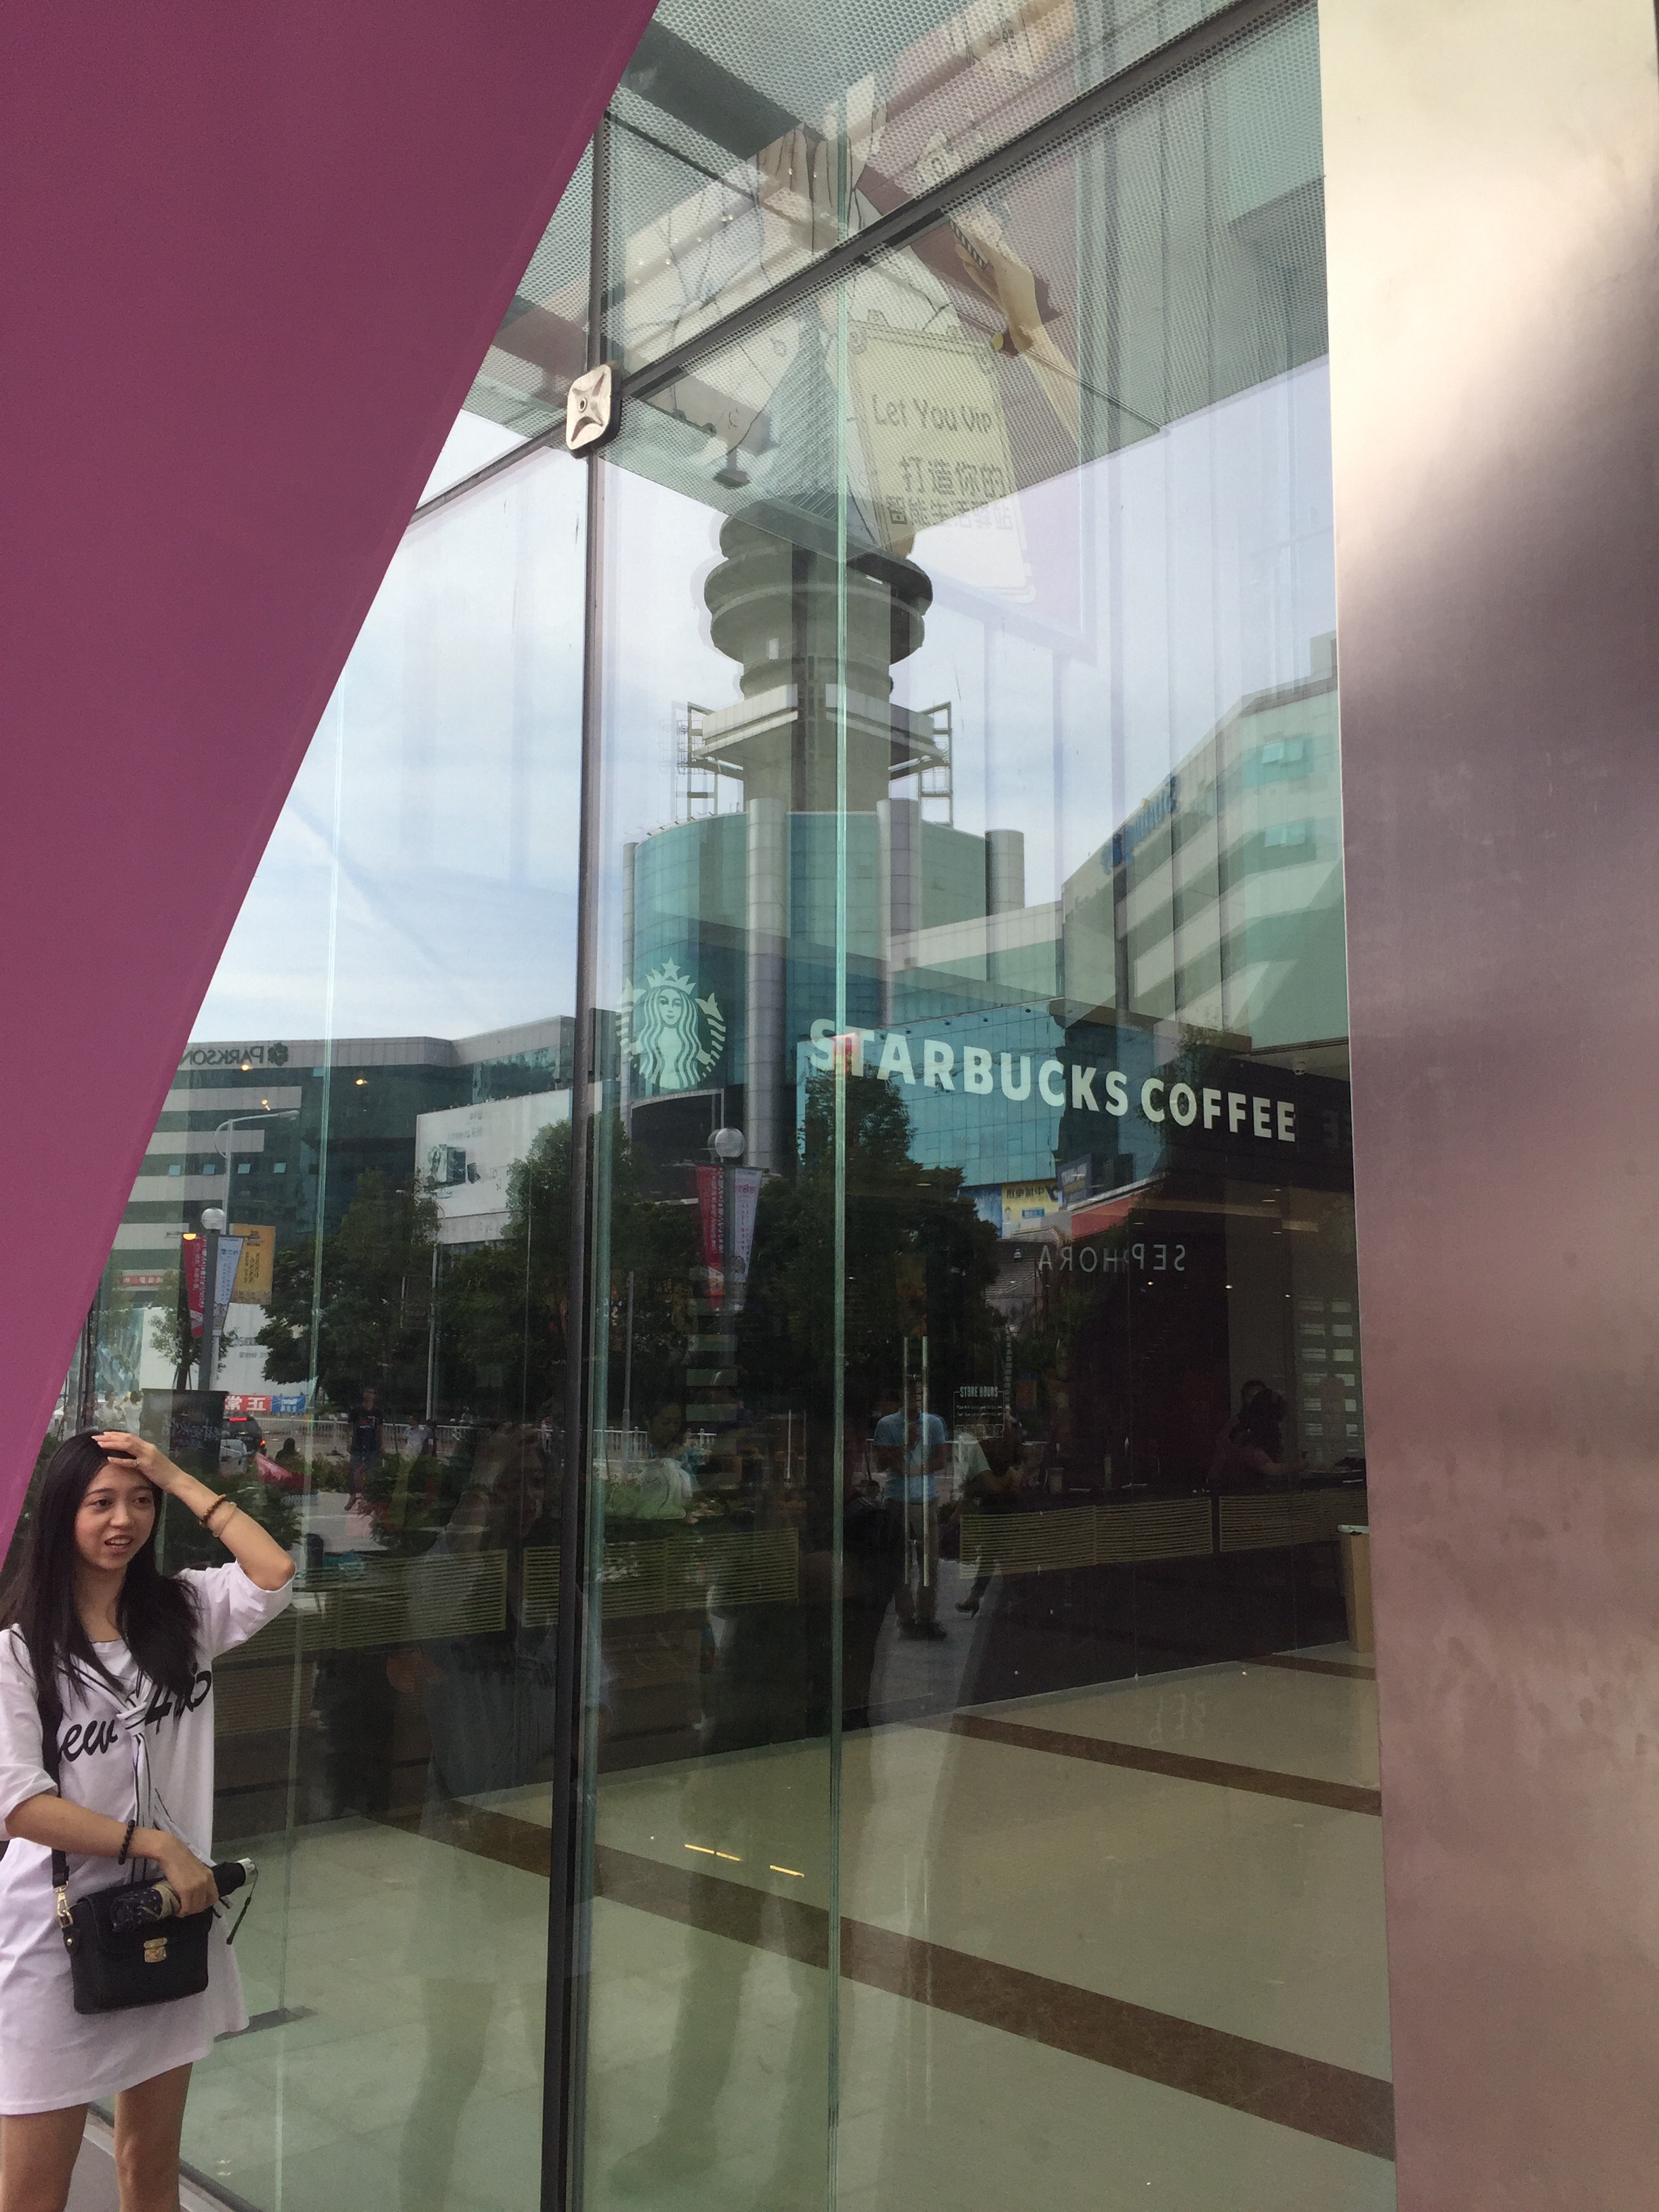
(913, 1453)
(367, 1427)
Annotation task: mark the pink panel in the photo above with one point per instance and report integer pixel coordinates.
(1494, 329)
(251, 258)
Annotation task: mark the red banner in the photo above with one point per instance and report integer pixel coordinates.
(711, 1216)
(192, 1258)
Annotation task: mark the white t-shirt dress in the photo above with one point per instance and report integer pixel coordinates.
(51, 2056)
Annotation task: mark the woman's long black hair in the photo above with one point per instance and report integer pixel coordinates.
(155, 1612)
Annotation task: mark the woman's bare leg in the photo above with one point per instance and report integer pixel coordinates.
(149, 2119)
(38, 2151)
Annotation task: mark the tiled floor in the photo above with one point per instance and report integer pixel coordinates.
(418, 2066)
(1065, 1980)
(1245, 1912)
(1253, 1715)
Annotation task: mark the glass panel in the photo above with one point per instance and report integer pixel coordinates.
(712, 1557)
(472, 444)
(1139, 1771)
(981, 1723)
(972, 840)
(378, 1093)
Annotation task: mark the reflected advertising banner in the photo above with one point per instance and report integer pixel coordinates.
(193, 1259)
(230, 1259)
(711, 1220)
(253, 1284)
(268, 1402)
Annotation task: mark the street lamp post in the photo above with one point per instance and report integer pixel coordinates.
(87, 1380)
(215, 1223)
(727, 1146)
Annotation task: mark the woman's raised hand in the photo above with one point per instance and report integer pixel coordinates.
(155, 1466)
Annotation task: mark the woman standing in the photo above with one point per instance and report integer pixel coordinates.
(129, 1653)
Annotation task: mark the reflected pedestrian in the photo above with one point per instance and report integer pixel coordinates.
(992, 1493)
(487, 1695)
(367, 1429)
(1251, 1447)
(913, 1452)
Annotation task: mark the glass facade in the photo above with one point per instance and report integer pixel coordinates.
(836, 1316)
(386, 1041)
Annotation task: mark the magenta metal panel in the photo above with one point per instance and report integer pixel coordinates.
(1495, 351)
(250, 259)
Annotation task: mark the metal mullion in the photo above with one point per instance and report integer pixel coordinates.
(566, 1969)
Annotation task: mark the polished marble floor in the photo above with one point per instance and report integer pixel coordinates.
(1118, 1946)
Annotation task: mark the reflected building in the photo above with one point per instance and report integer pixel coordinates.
(1155, 1061)
(732, 919)
(281, 1133)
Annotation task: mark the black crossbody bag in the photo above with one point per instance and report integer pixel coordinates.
(114, 1968)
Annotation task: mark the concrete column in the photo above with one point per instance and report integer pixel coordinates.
(767, 1124)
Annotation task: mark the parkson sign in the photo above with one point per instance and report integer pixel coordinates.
(244, 1056)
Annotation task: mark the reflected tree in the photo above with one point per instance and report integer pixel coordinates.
(506, 1307)
(919, 1261)
(174, 1338)
(373, 1289)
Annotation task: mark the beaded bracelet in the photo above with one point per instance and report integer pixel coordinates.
(126, 1843)
(206, 1519)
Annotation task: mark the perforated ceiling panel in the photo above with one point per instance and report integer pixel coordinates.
(762, 110)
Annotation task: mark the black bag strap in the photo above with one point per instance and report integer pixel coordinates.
(50, 1706)
(50, 1709)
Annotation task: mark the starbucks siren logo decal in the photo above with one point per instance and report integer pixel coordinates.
(673, 1036)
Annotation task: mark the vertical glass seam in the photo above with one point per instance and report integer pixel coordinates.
(838, 1415)
(568, 1839)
